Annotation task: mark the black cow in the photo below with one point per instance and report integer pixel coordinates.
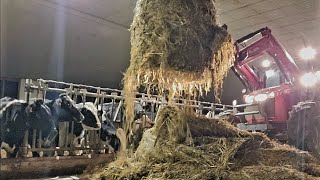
(16, 116)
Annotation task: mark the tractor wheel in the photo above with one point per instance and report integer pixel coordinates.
(304, 127)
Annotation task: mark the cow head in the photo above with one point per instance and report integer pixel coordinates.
(39, 111)
(91, 120)
(143, 120)
(40, 116)
(69, 106)
(108, 135)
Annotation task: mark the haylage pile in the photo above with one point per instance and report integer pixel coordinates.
(182, 146)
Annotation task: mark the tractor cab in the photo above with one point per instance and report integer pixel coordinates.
(269, 74)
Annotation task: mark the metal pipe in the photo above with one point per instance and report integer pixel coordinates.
(247, 113)
(67, 134)
(90, 94)
(244, 105)
(34, 136)
(39, 139)
(66, 149)
(72, 138)
(24, 147)
(116, 90)
(117, 112)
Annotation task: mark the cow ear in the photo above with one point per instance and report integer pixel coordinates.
(62, 95)
(25, 104)
(30, 108)
(100, 113)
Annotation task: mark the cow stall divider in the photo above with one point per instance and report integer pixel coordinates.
(92, 144)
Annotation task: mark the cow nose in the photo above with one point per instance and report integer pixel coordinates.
(99, 125)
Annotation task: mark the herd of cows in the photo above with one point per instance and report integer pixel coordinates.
(48, 117)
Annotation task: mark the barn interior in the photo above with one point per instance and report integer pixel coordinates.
(265, 110)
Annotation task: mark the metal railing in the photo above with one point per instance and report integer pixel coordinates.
(39, 88)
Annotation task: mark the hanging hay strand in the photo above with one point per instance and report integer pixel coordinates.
(221, 152)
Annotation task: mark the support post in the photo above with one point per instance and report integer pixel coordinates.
(39, 139)
(24, 147)
(34, 138)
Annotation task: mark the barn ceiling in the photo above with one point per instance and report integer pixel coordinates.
(87, 41)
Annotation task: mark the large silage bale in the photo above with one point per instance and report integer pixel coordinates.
(176, 47)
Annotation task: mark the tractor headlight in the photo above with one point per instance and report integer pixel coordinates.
(261, 97)
(258, 98)
(271, 95)
(248, 99)
(308, 79)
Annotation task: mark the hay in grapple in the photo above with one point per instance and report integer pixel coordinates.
(176, 47)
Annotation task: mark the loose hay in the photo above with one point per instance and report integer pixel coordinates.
(224, 153)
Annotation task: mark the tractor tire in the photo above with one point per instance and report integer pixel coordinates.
(304, 127)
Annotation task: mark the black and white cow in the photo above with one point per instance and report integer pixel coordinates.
(108, 135)
(62, 109)
(91, 122)
(108, 130)
(16, 116)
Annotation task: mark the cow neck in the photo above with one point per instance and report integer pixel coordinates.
(55, 109)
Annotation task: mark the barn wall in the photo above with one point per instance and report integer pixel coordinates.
(43, 40)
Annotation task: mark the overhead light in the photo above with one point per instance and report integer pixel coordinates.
(266, 63)
(269, 73)
(307, 53)
(308, 79)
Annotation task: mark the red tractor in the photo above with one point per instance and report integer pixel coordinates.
(283, 100)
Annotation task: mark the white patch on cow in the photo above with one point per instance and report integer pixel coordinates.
(92, 108)
(89, 128)
(209, 114)
(77, 141)
(9, 104)
(3, 154)
(7, 148)
(29, 153)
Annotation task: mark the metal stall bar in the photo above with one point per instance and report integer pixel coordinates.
(137, 93)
